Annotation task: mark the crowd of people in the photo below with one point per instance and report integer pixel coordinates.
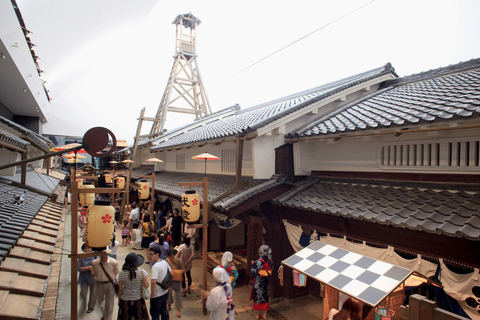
(169, 251)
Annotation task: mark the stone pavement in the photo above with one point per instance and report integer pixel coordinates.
(305, 308)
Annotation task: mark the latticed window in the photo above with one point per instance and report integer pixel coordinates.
(228, 160)
(180, 161)
(454, 154)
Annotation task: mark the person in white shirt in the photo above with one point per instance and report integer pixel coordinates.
(220, 297)
(158, 296)
(103, 286)
(134, 215)
(113, 247)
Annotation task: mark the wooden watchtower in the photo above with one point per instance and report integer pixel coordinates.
(184, 92)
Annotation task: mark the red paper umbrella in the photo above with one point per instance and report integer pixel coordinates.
(206, 156)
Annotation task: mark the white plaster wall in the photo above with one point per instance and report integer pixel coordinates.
(360, 154)
(263, 157)
(13, 39)
(213, 166)
(7, 157)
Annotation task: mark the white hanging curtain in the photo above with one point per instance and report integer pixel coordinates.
(224, 222)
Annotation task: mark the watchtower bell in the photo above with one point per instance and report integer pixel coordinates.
(184, 92)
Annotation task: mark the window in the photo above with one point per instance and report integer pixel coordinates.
(458, 154)
(228, 160)
(180, 161)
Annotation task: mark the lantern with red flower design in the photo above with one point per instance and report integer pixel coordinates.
(120, 182)
(190, 206)
(143, 190)
(99, 225)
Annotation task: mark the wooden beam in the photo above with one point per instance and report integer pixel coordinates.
(238, 160)
(460, 250)
(258, 199)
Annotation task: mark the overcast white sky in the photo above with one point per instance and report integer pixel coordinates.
(105, 60)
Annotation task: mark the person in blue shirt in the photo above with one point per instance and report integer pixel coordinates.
(86, 281)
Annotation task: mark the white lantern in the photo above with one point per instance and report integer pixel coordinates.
(120, 182)
(87, 199)
(143, 190)
(190, 206)
(99, 225)
(108, 178)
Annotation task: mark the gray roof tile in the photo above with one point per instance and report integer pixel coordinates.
(167, 183)
(431, 96)
(429, 209)
(250, 119)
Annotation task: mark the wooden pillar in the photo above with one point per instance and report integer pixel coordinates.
(238, 161)
(74, 248)
(23, 177)
(254, 240)
(205, 242)
(152, 194)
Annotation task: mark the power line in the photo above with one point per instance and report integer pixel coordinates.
(322, 27)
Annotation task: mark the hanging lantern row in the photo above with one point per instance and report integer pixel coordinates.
(99, 225)
(190, 206)
(143, 190)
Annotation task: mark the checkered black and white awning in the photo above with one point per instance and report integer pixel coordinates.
(364, 278)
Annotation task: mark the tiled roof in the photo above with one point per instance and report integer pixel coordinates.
(194, 124)
(11, 139)
(167, 183)
(29, 230)
(443, 94)
(454, 213)
(15, 218)
(248, 120)
(142, 170)
(35, 137)
(36, 180)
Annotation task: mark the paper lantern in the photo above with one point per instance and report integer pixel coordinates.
(99, 225)
(87, 199)
(120, 182)
(143, 190)
(190, 206)
(299, 279)
(108, 178)
(80, 182)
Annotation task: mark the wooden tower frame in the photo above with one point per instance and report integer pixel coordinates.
(185, 83)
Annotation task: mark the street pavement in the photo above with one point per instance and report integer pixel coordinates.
(306, 308)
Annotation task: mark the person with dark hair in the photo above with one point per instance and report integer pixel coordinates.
(158, 296)
(185, 254)
(113, 247)
(105, 270)
(136, 236)
(148, 228)
(86, 281)
(176, 286)
(162, 217)
(134, 215)
(176, 230)
(261, 271)
(161, 244)
(351, 310)
(131, 305)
